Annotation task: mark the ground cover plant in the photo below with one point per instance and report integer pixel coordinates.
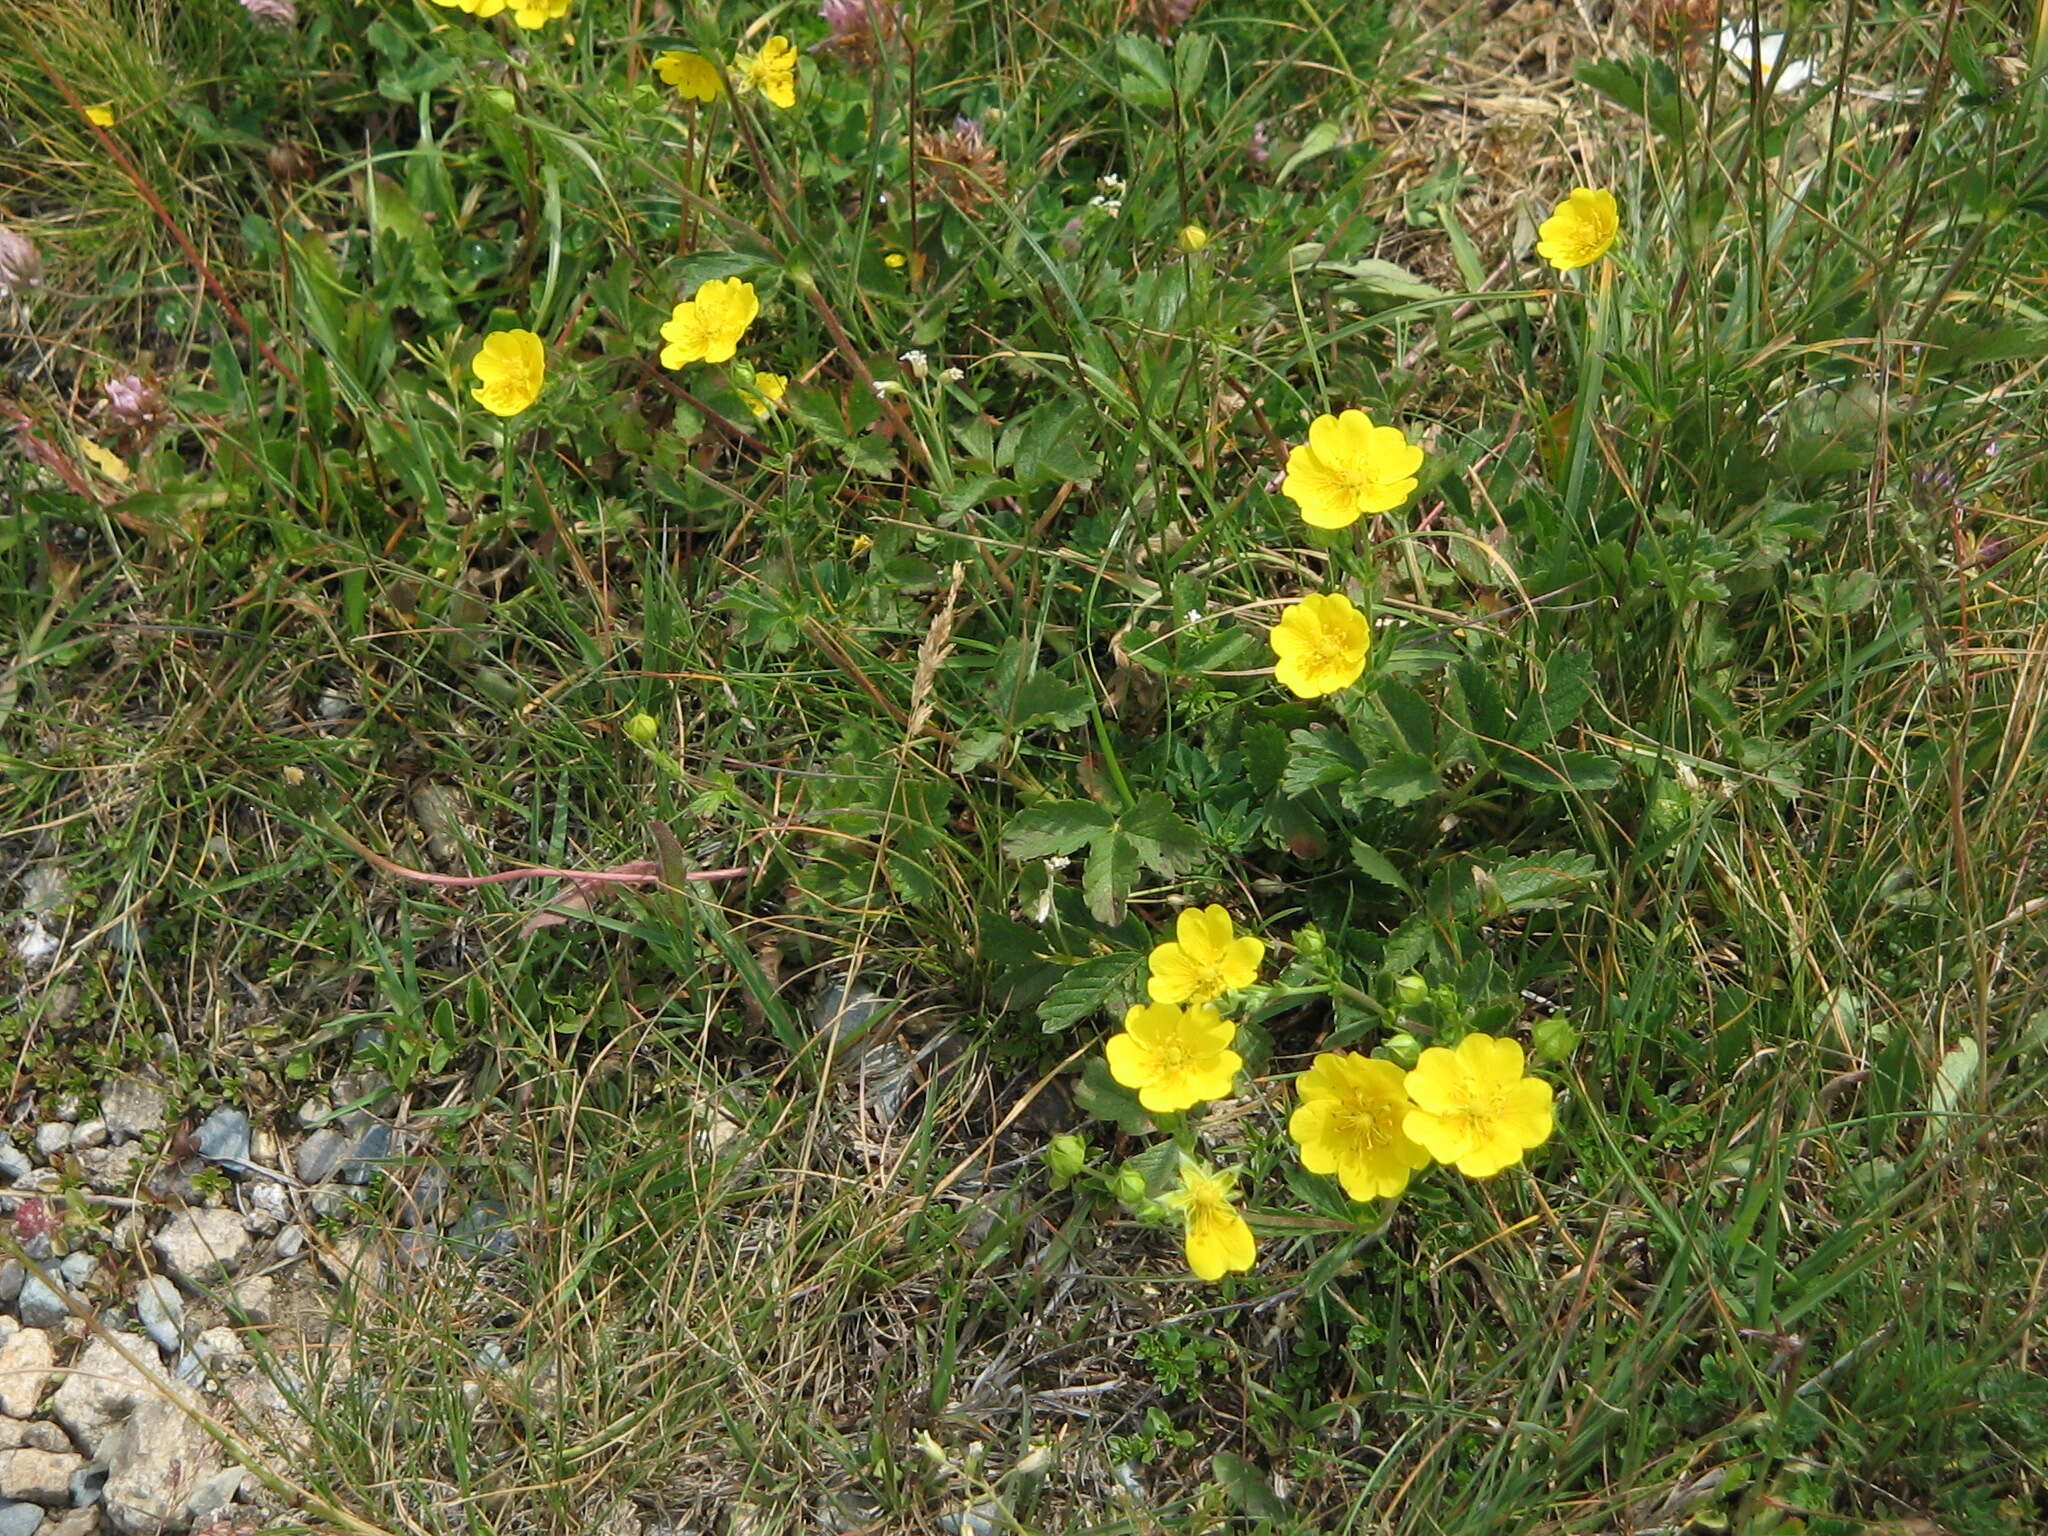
(1133, 767)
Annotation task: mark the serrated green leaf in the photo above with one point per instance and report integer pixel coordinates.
(1046, 699)
(1319, 757)
(1247, 1487)
(1111, 871)
(1103, 1097)
(1402, 779)
(1055, 829)
(1105, 981)
(1567, 684)
(1160, 837)
(1542, 881)
(1370, 861)
(1319, 140)
(1413, 716)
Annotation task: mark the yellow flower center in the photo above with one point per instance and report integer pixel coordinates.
(1327, 652)
(1356, 1123)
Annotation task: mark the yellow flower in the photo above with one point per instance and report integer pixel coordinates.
(1194, 239)
(772, 71)
(1207, 961)
(509, 369)
(1347, 467)
(1218, 1240)
(107, 462)
(707, 329)
(484, 9)
(894, 259)
(101, 115)
(537, 13)
(1473, 1107)
(1320, 644)
(765, 393)
(1175, 1057)
(694, 76)
(1349, 1124)
(1580, 231)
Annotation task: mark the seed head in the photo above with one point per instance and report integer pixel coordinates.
(21, 265)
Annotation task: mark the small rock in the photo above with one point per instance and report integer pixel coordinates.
(20, 1519)
(157, 1460)
(42, 1435)
(217, 1492)
(289, 1243)
(40, 1477)
(219, 1344)
(132, 1107)
(329, 1201)
(485, 1231)
(12, 1273)
(102, 1387)
(68, 1109)
(371, 1150)
(75, 1522)
(162, 1312)
(39, 1306)
(53, 1138)
(320, 1154)
(111, 1170)
(269, 1198)
(88, 1134)
(420, 1205)
(983, 1519)
(201, 1246)
(253, 1298)
(315, 1113)
(77, 1269)
(223, 1136)
(356, 1259)
(15, 1164)
(26, 1361)
(87, 1484)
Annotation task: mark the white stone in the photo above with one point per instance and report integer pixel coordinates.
(53, 1138)
(201, 1246)
(26, 1361)
(132, 1107)
(159, 1460)
(89, 1134)
(102, 1387)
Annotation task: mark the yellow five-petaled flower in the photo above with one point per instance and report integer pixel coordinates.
(1174, 1057)
(707, 328)
(772, 71)
(1204, 961)
(1218, 1241)
(694, 76)
(509, 368)
(528, 13)
(1474, 1108)
(1349, 1123)
(1320, 644)
(1580, 231)
(765, 393)
(1349, 467)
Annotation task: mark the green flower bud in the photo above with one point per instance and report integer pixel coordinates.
(1403, 1050)
(1411, 991)
(643, 729)
(1130, 1188)
(1554, 1038)
(1310, 942)
(1065, 1157)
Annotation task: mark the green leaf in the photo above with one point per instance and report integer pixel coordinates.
(1055, 829)
(1046, 699)
(1319, 140)
(1371, 862)
(1105, 981)
(1567, 684)
(1401, 779)
(1952, 1080)
(1320, 757)
(1542, 881)
(1103, 1097)
(1048, 446)
(1160, 837)
(1146, 82)
(1376, 276)
(1112, 871)
(1246, 1487)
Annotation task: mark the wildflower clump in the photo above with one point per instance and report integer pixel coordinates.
(1321, 644)
(1348, 467)
(510, 368)
(707, 327)
(1203, 960)
(1474, 1108)
(1218, 1240)
(1580, 230)
(1174, 1057)
(1349, 1123)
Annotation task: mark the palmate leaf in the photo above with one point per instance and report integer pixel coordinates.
(1150, 835)
(1055, 829)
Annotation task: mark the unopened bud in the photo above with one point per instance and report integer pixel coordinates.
(1130, 1188)
(1193, 239)
(1310, 942)
(1403, 1050)
(1065, 1157)
(1554, 1038)
(643, 729)
(1411, 991)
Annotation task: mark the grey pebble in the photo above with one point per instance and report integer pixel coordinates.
(12, 1273)
(484, 1230)
(20, 1519)
(53, 1138)
(39, 1306)
(88, 1134)
(289, 1242)
(320, 1154)
(88, 1483)
(223, 1136)
(15, 1164)
(371, 1150)
(77, 1269)
(162, 1311)
(132, 1107)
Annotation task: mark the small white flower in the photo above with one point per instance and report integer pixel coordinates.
(1112, 183)
(884, 388)
(1194, 616)
(916, 362)
(953, 375)
(1759, 55)
(1109, 205)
